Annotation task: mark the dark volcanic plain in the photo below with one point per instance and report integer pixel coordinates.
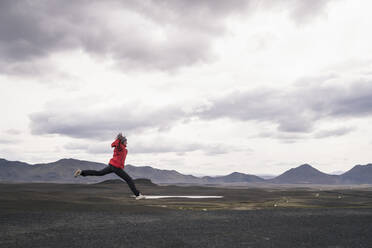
(105, 215)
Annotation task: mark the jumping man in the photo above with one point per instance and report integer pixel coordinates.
(115, 165)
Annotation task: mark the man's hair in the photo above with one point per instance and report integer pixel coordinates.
(121, 138)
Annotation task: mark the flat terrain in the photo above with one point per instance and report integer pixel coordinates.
(106, 215)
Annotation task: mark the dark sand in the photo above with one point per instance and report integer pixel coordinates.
(71, 215)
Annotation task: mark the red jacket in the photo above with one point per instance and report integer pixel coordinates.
(120, 153)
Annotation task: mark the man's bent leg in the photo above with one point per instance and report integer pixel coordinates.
(121, 173)
(102, 172)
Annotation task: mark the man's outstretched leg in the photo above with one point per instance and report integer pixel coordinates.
(104, 171)
(121, 173)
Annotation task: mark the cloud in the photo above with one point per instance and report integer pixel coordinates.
(333, 132)
(152, 34)
(164, 147)
(304, 11)
(160, 35)
(270, 105)
(13, 131)
(89, 147)
(102, 124)
(296, 110)
(181, 148)
(10, 136)
(355, 101)
(156, 146)
(8, 141)
(284, 137)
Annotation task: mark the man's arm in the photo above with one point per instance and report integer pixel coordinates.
(115, 143)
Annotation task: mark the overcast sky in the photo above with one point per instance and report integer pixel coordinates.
(201, 87)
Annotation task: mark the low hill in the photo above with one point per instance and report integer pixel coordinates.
(139, 181)
(160, 176)
(61, 171)
(359, 174)
(305, 174)
(234, 178)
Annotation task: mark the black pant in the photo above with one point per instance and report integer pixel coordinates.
(118, 171)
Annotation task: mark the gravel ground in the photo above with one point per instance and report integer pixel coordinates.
(71, 215)
(185, 228)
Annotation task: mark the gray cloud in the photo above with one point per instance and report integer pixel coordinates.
(13, 131)
(161, 35)
(356, 101)
(284, 137)
(161, 147)
(304, 11)
(182, 148)
(89, 147)
(333, 132)
(292, 111)
(271, 105)
(290, 137)
(10, 136)
(154, 147)
(151, 34)
(8, 141)
(295, 110)
(78, 123)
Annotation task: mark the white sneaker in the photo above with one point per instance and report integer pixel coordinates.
(77, 173)
(140, 196)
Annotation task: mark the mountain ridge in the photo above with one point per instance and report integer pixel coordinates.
(61, 171)
(305, 174)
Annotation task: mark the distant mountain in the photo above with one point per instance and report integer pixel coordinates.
(305, 174)
(160, 176)
(62, 171)
(359, 174)
(233, 178)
